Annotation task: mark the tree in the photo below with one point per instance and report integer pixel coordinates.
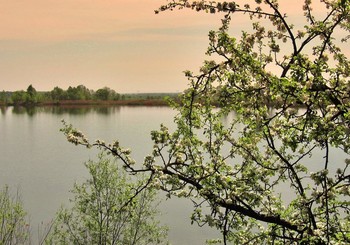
(106, 94)
(58, 94)
(106, 210)
(14, 228)
(78, 93)
(4, 97)
(31, 97)
(84, 92)
(102, 94)
(288, 88)
(19, 97)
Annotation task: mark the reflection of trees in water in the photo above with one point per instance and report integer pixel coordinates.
(29, 110)
(3, 109)
(60, 110)
(80, 110)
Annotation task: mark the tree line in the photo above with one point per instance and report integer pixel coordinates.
(31, 96)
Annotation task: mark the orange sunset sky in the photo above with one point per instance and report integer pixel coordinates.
(121, 44)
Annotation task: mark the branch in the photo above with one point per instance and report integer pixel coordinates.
(285, 24)
(247, 211)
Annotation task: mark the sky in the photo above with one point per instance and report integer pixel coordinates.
(120, 44)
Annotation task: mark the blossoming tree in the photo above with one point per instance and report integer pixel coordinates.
(259, 127)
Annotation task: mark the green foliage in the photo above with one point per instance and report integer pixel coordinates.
(58, 94)
(28, 97)
(14, 228)
(264, 160)
(18, 97)
(78, 93)
(106, 94)
(109, 208)
(4, 97)
(31, 96)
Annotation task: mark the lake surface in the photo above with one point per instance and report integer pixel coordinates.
(36, 158)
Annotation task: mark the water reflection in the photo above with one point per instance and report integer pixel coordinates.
(60, 110)
(3, 109)
(19, 110)
(46, 167)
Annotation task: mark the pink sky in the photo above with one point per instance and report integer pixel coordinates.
(121, 44)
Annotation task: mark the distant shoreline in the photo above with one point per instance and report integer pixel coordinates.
(81, 95)
(131, 102)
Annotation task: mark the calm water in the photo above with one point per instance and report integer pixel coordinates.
(36, 158)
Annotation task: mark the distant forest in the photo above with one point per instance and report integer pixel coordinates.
(80, 95)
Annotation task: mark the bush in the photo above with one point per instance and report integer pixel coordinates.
(14, 228)
(108, 208)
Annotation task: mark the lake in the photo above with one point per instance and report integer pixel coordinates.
(36, 158)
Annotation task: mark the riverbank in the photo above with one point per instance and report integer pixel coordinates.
(81, 95)
(129, 102)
